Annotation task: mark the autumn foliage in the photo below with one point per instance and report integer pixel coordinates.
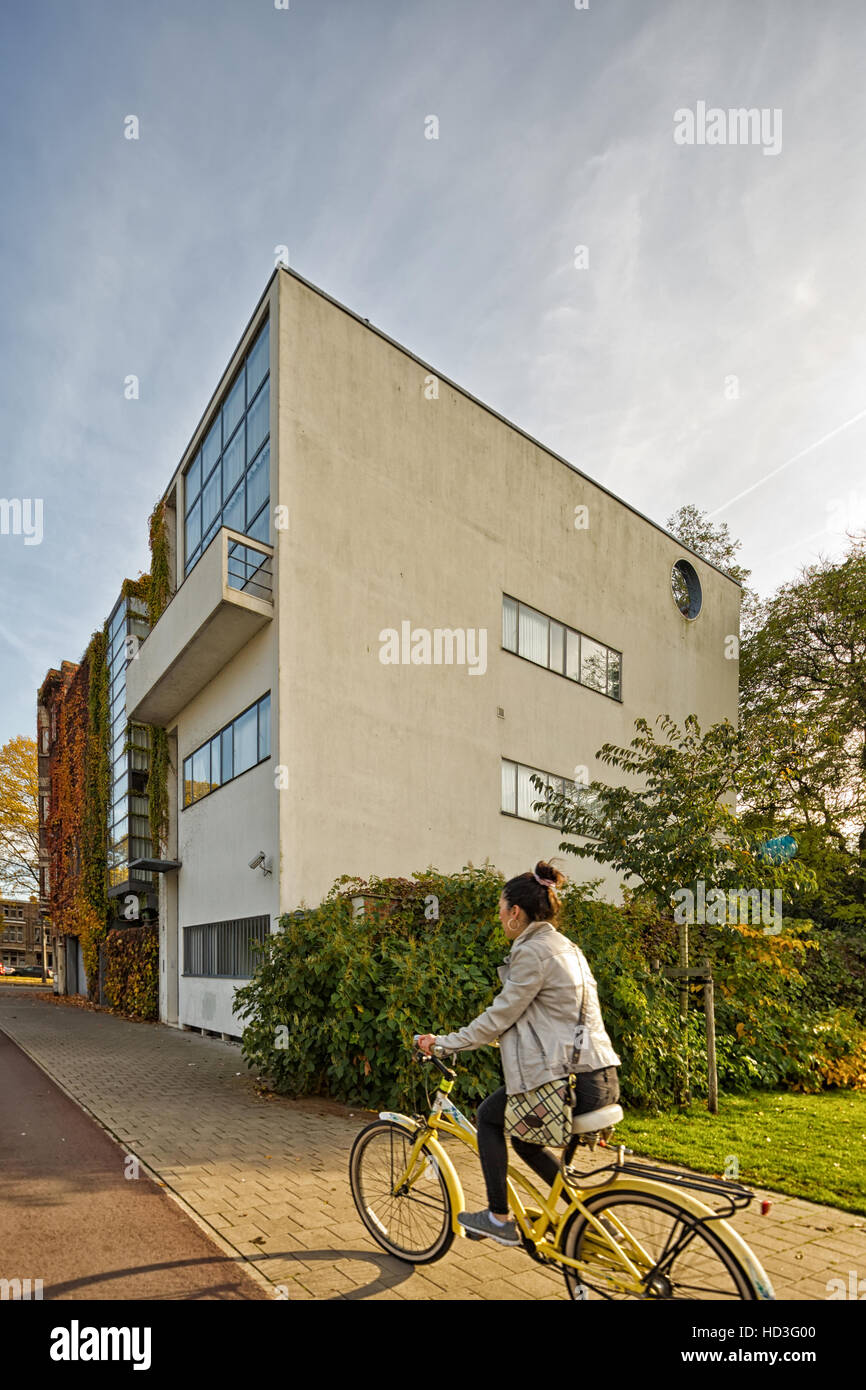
(19, 820)
(131, 971)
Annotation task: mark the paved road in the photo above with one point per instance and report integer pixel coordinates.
(270, 1175)
(72, 1219)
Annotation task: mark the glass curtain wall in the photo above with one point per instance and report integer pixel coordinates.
(228, 481)
(128, 823)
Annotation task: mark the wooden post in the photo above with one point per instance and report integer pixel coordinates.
(684, 1006)
(712, 1073)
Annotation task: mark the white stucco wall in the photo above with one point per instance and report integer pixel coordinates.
(219, 835)
(403, 507)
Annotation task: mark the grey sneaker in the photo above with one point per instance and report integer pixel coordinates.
(479, 1223)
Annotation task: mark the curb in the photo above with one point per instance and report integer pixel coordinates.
(225, 1246)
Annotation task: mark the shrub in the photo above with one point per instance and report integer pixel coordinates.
(131, 971)
(339, 991)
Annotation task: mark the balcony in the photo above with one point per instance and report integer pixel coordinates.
(223, 602)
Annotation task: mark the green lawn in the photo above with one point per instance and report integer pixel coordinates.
(806, 1146)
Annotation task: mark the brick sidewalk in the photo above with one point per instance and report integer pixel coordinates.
(271, 1175)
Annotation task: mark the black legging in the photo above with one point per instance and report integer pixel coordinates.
(593, 1089)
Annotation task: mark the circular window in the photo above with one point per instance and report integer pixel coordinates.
(686, 589)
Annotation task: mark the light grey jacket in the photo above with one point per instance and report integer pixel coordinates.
(546, 980)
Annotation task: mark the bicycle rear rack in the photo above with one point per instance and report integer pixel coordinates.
(736, 1196)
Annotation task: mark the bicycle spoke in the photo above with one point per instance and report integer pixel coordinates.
(686, 1260)
(701, 1288)
(410, 1221)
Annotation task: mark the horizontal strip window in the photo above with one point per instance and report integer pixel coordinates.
(241, 745)
(222, 950)
(518, 792)
(546, 642)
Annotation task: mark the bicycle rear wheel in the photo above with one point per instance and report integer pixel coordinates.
(413, 1223)
(686, 1261)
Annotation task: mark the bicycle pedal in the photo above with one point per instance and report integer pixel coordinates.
(473, 1235)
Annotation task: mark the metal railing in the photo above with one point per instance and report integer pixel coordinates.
(250, 570)
(222, 949)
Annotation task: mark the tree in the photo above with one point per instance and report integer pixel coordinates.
(19, 816)
(679, 825)
(803, 697)
(673, 829)
(716, 544)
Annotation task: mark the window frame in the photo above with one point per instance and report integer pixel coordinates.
(215, 426)
(567, 630)
(219, 736)
(567, 784)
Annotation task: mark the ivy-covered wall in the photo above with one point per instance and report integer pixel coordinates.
(158, 594)
(159, 581)
(78, 817)
(131, 971)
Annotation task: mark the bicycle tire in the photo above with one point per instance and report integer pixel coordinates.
(580, 1287)
(398, 1212)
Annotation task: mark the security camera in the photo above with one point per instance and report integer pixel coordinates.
(258, 861)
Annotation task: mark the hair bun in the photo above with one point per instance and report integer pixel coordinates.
(547, 874)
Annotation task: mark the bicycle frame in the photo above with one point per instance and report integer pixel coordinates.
(445, 1118)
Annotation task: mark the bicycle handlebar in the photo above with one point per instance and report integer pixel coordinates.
(435, 1056)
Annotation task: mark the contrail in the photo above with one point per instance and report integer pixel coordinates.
(802, 541)
(793, 459)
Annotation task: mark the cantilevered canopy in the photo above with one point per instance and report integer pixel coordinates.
(155, 866)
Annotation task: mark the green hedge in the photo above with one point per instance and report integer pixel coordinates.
(337, 996)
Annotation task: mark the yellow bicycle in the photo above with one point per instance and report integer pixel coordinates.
(637, 1233)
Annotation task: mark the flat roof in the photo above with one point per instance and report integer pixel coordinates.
(315, 289)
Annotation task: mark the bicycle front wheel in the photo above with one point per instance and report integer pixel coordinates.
(681, 1260)
(410, 1219)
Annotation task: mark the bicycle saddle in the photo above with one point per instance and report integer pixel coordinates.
(596, 1119)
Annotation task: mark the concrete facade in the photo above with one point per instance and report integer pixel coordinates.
(397, 498)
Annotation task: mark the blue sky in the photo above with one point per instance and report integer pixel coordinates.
(261, 127)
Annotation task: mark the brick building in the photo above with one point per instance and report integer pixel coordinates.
(21, 934)
(82, 839)
(56, 742)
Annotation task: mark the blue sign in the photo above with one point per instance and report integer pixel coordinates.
(776, 851)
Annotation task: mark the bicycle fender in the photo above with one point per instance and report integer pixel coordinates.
(443, 1162)
(732, 1239)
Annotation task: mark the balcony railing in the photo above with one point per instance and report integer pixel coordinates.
(221, 604)
(250, 570)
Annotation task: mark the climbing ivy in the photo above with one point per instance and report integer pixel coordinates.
(132, 971)
(159, 582)
(158, 595)
(157, 787)
(79, 809)
(97, 778)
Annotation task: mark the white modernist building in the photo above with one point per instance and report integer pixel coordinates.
(390, 607)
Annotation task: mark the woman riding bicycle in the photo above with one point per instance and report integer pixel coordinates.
(548, 988)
